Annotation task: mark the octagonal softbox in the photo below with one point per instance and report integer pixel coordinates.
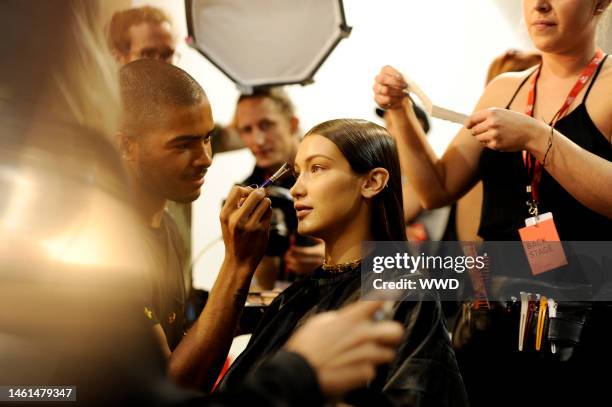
(259, 43)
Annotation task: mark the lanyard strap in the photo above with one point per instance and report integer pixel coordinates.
(532, 165)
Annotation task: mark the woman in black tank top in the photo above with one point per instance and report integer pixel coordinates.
(575, 156)
(504, 178)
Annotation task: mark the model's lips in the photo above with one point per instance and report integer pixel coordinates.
(543, 24)
(302, 210)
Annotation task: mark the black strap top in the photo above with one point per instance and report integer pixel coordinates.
(504, 179)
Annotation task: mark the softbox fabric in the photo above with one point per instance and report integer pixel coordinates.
(266, 42)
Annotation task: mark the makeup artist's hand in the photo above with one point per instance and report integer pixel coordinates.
(344, 347)
(245, 222)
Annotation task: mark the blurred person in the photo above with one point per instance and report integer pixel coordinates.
(268, 126)
(72, 262)
(513, 60)
(225, 139)
(71, 259)
(548, 128)
(348, 190)
(141, 33)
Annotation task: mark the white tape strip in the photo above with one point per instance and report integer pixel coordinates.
(446, 114)
(433, 110)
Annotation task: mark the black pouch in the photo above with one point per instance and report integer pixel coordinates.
(565, 330)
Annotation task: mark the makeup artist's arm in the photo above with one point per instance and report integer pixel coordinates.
(199, 357)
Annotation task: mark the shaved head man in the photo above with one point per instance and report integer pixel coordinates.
(165, 141)
(165, 133)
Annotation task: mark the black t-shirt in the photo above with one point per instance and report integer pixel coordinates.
(167, 297)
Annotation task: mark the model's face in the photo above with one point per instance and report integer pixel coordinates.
(327, 193)
(269, 135)
(153, 41)
(560, 25)
(171, 162)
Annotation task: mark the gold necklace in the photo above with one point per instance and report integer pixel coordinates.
(341, 267)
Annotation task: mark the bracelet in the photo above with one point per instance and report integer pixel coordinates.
(550, 138)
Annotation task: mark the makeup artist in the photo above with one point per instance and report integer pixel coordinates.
(165, 143)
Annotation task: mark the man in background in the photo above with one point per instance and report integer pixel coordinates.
(143, 32)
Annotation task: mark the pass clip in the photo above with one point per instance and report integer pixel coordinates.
(523, 319)
(552, 313)
(541, 321)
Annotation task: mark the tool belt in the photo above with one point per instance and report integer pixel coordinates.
(500, 321)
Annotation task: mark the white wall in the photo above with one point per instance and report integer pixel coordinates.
(445, 45)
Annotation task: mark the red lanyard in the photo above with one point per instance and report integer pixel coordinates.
(532, 165)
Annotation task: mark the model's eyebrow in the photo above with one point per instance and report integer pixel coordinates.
(312, 157)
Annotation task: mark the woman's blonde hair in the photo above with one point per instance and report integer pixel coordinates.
(61, 61)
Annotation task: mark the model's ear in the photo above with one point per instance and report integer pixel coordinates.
(127, 146)
(374, 182)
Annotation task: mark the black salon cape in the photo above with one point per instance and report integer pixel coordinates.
(424, 372)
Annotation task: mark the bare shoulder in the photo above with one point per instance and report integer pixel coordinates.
(603, 83)
(497, 94)
(599, 100)
(500, 90)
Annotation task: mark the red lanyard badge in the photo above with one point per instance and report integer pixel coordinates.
(534, 168)
(540, 238)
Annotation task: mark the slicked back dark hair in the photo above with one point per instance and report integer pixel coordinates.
(149, 88)
(366, 146)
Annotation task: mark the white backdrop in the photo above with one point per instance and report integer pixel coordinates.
(445, 46)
